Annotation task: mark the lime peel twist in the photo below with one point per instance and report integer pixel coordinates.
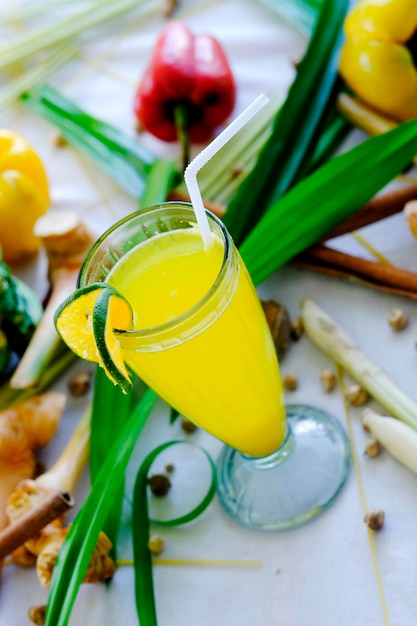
(85, 322)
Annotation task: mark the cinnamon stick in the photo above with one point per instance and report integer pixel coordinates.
(378, 208)
(326, 260)
(54, 505)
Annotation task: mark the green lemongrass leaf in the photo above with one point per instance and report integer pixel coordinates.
(330, 139)
(29, 43)
(296, 125)
(78, 547)
(111, 409)
(173, 415)
(120, 156)
(300, 13)
(145, 599)
(324, 199)
(162, 177)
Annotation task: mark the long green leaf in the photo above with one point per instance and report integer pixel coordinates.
(324, 199)
(122, 157)
(111, 409)
(77, 549)
(145, 600)
(296, 125)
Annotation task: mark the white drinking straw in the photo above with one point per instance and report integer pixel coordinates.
(191, 171)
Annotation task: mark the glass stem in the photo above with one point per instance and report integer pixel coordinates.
(277, 457)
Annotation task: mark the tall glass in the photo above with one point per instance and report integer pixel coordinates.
(201, 341)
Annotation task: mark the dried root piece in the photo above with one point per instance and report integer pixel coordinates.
(44, 546)
(101, 566)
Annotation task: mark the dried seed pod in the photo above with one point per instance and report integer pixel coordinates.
(373, 448)
(58, 140)
(374, 519)
(356, 395)
(290, 382)
(397, 319)
(279, 323)
(156, 544)
(328, 380)
(37, 614)
(159, 484)
(410, 212)
(187, 426)
(79, 384)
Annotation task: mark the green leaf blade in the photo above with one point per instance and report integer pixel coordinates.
(76, 551)
(323, 200)
(296, 125)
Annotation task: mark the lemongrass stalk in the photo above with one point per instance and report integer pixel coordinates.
(38, 9)
(34, 75)
(65, 472)
(331, 339)
(29, 44)
(396, 437)
(238, 145)
(220, 166)
(66, 240)
(228, 178)
(10, 397)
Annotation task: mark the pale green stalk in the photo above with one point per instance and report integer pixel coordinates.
(324, 332)
(240, 150)
(30, 43)
(10, 397)
(396, 437)
(34, 75)
(38, 9)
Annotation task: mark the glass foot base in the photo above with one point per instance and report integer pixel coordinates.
(293, 485)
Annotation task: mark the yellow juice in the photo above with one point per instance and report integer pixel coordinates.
(208, 352)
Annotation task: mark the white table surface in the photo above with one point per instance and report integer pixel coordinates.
(330, 571)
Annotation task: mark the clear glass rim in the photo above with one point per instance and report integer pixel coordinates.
(172, 324)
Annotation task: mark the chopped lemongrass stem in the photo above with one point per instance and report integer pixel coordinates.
(191, 171)
(209, 562)
(65, 472)
(30, 43)
(323, 331)
(397, 438)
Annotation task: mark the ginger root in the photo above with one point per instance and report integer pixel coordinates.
(44, 546)
(24, 429)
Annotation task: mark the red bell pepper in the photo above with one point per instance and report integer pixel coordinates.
(188, 79)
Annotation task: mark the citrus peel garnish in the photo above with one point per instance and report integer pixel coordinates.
(87, 320)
